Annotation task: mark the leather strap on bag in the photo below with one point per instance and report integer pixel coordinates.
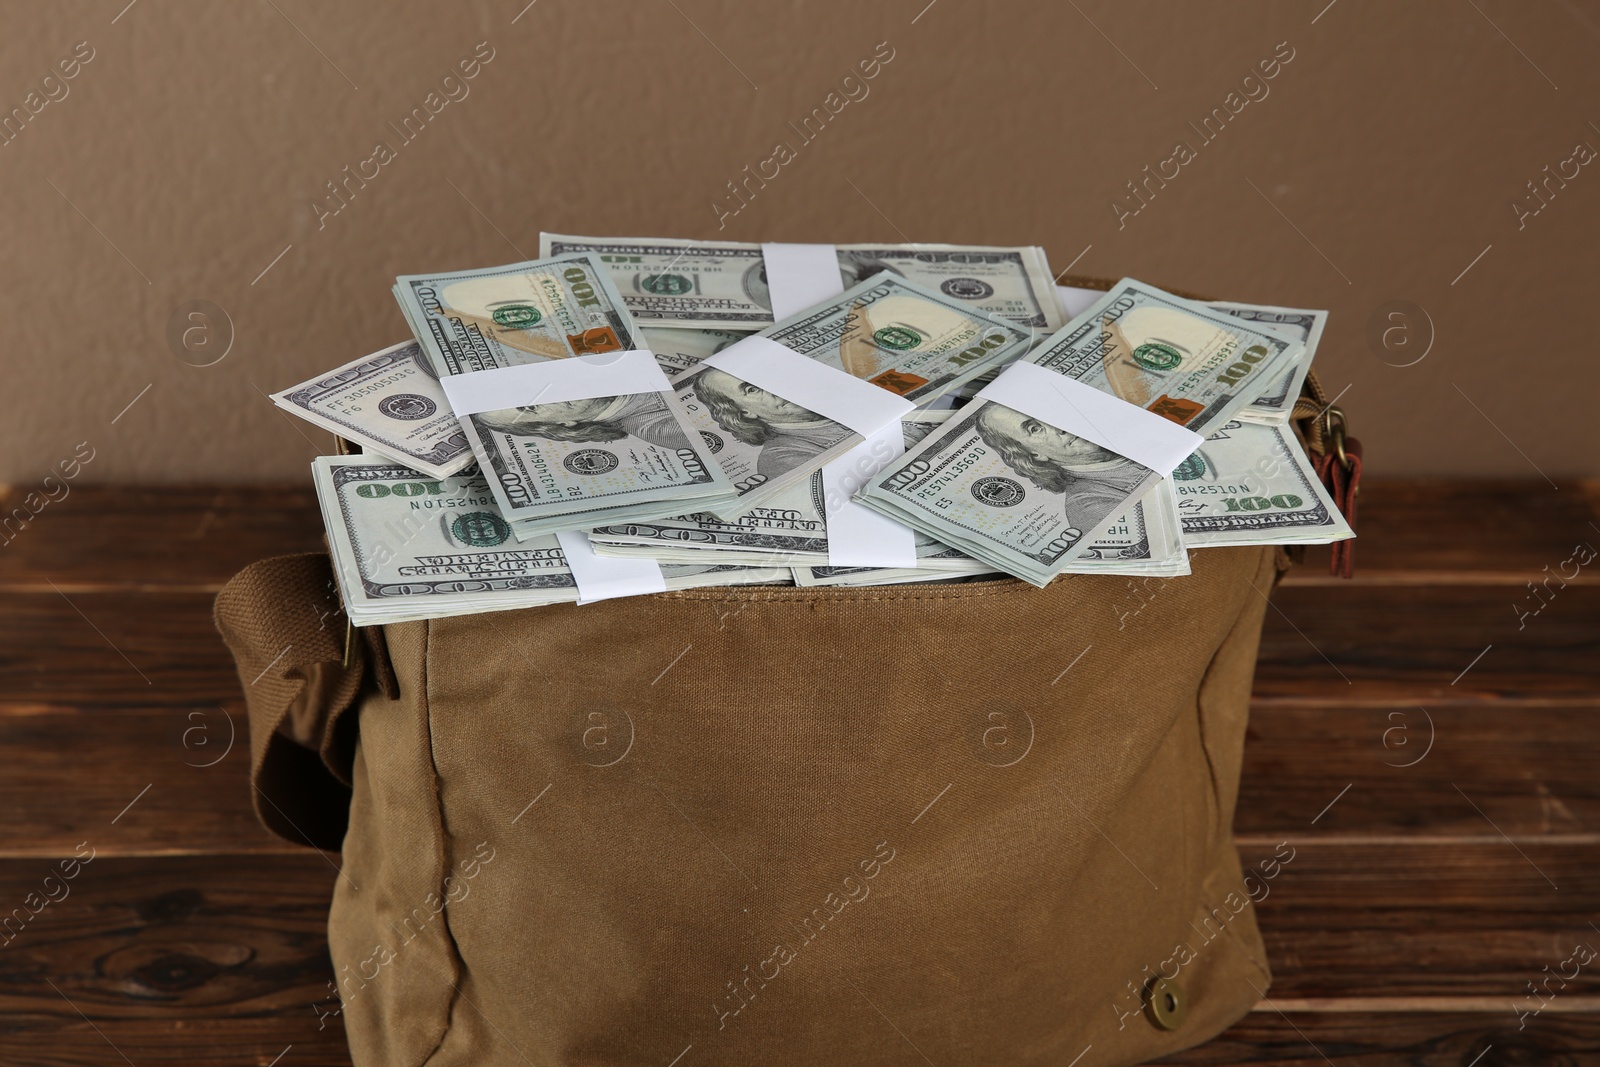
(1337, 459)
(282, 620)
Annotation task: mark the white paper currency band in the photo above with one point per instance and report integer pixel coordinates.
(1075, 301)
(1068, 404)
(576, 378)
(799, 276)
(605, 577)
(829, 392)
(857, 536)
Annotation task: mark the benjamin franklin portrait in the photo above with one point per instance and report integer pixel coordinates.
(787, 433)
(610, 418)
(1094, 481)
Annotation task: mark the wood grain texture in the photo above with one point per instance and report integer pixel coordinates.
(1265, 1038)
(166, 537)
(101, 649)
(1365, 772)
(219, 958)
(1491, 532)
(1397, 921)
(1262, 1039)
(175, 780)
(166, 1040)
(1398, 644)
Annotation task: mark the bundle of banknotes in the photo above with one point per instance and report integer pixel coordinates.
(624, 416)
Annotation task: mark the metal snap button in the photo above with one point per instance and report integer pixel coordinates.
(1166, 1005)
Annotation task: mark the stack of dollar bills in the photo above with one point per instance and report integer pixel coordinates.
(706, 470)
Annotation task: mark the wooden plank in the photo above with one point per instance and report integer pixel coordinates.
(215, 960)
(1397, 645)
(113, 649)
(1375, 772)
(1443, 920)
(1478, 532)
(1345, 644)
(155, 537)
(1264, 1038)
(166, 1038)
(141, 781)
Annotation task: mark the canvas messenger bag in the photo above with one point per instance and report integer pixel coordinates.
(956, 823)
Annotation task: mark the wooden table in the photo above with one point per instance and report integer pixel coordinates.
(1432, 754)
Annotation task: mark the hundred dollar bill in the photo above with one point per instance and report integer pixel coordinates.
(723, 284)
(1010, 490)
(1276, 402)
(1251, 484)
(1174, 357)
(390, 403)
(855, 577)
(552, 465)
(796, 536)
(893, 333)
(679, 350)
(1145, 541)
(790, 529)
(407, 547)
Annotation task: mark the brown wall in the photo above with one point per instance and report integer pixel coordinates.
(188, 152)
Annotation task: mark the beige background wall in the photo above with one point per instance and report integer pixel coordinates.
(183, 161)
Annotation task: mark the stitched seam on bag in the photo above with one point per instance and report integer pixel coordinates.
(444, 849)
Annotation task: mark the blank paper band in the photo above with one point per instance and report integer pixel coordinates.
(858, 536)
(575, 378)
(817, 387)
(799, 276)
(1110, 422)
(1075, 301)
(605, 577)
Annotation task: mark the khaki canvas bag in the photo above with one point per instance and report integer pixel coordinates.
(960, 824)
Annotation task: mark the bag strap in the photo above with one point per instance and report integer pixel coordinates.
(282, 620)
(1336, 456)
